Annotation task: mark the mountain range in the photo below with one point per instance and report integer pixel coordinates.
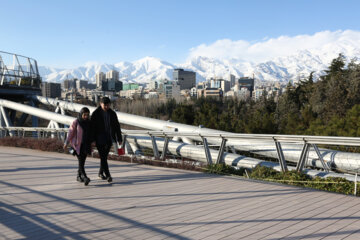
(292, 67)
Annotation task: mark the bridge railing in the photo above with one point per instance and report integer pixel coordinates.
(34, 132)
(306, 141)
(17, 70)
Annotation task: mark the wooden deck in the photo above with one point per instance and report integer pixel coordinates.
(40, 199)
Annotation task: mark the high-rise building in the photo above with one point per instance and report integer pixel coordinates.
(186, 79)
(220, 83)
(99, 77)
(69, 84)
(51, 90)
(246, 82)
(232, 80)
(225, 86)
(112, 74)
(111, 85)
(170, 89)
(81, 84)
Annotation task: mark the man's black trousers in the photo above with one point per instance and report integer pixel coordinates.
(104, 152)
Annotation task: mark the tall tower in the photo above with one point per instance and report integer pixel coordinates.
(112, 75)
(100, 77)
(186, 79)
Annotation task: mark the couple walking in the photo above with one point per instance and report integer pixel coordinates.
(103, 128)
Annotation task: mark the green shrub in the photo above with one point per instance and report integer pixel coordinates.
(224, 169)
(261, 172)
(331, 184)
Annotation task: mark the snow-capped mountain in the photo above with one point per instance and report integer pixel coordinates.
(291, 67)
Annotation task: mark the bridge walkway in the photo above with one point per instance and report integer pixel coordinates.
(40, 199)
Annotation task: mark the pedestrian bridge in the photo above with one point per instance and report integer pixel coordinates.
(39, 198)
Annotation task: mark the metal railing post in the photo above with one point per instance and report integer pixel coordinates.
(155, 148)
(220, 157)
(165, 148)
(207, 151)
(123, 144)
(325, 166)
(281, 156)
(303, 157)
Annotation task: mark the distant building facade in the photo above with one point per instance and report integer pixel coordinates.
(81, 84)
(170, 89)
(51, 90)
(210, 92)
(69, 84)
(247, 83)
(186, 79)
(99, 77)
(112, 75)
(153, 84)
(111, 85)
(220, 83)
(130, 86)
(232, 80)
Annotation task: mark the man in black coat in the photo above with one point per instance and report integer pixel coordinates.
(106, 130)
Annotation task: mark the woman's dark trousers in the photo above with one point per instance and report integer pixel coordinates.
(81, 170)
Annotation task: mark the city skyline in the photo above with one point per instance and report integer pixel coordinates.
(68, 34)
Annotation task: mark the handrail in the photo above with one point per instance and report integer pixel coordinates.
(325, 140)
(32, 129)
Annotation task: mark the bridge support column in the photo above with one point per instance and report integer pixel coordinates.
(12, 116)
(22, 119)
(34, 119)
(6, 120)
(54, 125)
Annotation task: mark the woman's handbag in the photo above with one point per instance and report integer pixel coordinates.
(72, 151)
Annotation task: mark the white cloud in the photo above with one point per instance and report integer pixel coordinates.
(277, 47)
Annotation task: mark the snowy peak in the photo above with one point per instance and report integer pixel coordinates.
(285, 68)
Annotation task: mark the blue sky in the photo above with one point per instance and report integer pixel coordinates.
(69, 33)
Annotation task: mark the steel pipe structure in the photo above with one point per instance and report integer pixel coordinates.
(291, 145)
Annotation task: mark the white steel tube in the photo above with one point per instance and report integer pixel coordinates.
(37, 112)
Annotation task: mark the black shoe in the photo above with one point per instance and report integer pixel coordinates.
(86, 181)
(102, 176)
(109, 179)
(79, 179)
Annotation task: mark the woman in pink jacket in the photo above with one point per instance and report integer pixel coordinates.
(80, 139)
